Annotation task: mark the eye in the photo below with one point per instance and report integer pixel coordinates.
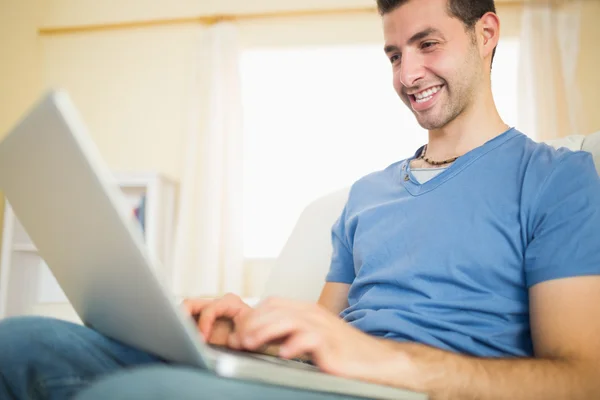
(394, 58)
(427, 45)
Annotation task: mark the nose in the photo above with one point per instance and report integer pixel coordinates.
(411, 69)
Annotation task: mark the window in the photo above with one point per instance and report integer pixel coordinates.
(318, 119)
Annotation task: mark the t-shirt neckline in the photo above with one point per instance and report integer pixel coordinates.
(412, 185)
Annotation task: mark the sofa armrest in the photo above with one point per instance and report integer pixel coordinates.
(299, 271)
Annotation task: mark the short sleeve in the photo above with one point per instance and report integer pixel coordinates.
(565, 226)
(341, 269)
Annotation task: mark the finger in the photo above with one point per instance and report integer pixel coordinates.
(217, 309)
(311, 311)
(247, 324)
(301, 345)
(233, 342)
(195, 306)
(271, 349)
(272, 310)
(264, 313)
(221, 331)
(275, 329)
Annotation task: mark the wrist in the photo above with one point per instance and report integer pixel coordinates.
(400, 366)
(416, 366)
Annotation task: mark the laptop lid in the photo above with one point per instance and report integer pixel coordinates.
(75, 214)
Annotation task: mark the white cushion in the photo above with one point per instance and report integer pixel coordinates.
(592, 144)
(299, 271)
(573, 142)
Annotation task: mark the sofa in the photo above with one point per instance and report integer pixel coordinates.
(300, 269)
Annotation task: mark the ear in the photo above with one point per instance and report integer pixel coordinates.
(488, 32)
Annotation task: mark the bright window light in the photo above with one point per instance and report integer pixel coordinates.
(318, 119)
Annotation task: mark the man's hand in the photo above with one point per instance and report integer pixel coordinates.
(309, 329)
(216, 316)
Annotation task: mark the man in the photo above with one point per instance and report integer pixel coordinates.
(469, 270)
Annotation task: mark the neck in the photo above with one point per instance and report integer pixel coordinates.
(476, 125)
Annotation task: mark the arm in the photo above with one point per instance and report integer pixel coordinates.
(565, 321)
(334, 297)
(564, 312)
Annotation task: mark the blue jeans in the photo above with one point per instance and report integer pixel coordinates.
(43, 358)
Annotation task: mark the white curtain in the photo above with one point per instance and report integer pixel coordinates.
(549, 97)
(208, 248)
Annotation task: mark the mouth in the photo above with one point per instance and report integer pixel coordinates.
(424, 99)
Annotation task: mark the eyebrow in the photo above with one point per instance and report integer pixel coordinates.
(414, 38)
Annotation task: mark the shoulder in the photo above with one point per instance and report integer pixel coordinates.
(557, 181)
(376, 184)
(546, 165)
(540, 164)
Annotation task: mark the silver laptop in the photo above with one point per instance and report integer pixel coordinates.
(74, 212)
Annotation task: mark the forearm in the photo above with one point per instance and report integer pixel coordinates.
(445, 375)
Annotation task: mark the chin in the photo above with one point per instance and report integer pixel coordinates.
(431, 124)
(436, 120)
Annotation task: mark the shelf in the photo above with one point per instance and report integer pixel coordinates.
(25, 248)
(140, 180)
(27, 284)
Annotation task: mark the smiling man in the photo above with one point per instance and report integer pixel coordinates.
(468, 271)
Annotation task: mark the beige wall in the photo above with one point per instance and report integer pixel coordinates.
(132, 89)
(83, 12)
(20, 68)
(588, 71)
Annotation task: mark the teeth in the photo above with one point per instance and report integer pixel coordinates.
(426, 94)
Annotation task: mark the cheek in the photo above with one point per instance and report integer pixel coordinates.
(446, 66)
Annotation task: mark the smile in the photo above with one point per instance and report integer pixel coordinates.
(426, 94)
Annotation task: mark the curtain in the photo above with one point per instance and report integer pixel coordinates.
(208, 248)
(549, 98)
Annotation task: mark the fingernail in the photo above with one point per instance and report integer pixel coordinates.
(234, 342)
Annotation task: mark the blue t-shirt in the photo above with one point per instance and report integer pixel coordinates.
(448, 263)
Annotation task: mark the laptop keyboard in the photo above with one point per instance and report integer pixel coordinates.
(294, 363)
